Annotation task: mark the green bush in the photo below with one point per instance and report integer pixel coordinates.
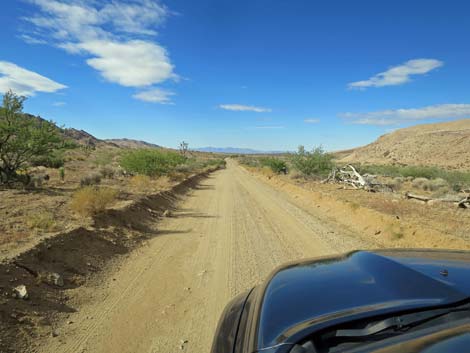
(314, 163)
(151, 162)
(218, 162)
(62, 173)
(277, 165)
(54, 160)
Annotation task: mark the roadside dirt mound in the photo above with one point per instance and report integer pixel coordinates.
(67, 261)
(443, 144)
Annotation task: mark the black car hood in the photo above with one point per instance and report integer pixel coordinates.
(311, 295)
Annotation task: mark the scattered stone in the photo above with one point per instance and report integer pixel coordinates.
(56, 279)
(202, 273)
(70, 322)
(54, 333)
(167, 213)
(183, 342)
(378, 231)
(20, 292)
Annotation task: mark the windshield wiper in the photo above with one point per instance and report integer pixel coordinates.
(399, 322)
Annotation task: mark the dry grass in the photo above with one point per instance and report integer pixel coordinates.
(141, 182)
(42, 221)
(92, 200)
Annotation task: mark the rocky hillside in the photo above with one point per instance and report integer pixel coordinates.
(441, 144)
(129, 143)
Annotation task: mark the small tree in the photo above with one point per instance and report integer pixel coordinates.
(22, 138)
(184, 148)
(314, 163)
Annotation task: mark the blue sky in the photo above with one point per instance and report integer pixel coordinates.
(259, 74)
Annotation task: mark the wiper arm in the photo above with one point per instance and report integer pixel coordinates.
(398, 322)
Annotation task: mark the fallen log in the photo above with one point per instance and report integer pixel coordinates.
(409, 195)
(462, 203)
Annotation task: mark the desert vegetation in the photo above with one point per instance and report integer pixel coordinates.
(54, 178)
(310, 164)
(24, 141)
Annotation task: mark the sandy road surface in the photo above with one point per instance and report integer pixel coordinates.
(228, 235)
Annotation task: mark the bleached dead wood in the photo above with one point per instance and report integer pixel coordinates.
(417, 197)
(351, 177)
(464, 203)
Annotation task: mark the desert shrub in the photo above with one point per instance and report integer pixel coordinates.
(396, 183)
(184, 168)
(295, 174)
(216, 162)
(53, 160)
(107, 172)
(277, 165)
(90, 179)
(314, 163)
(91, 200)
(151, 162)
(62, 173)
(419, 183)
(104, 158)
(141, 182)
(249, 161)
(454, 178)
(42, 221)
(436, 184)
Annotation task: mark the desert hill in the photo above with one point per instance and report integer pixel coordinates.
(440, 144)
(129, 143)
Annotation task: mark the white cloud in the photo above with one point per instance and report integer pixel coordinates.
(155, 95)
(25, 82)
(135, 63)
(59, 104)
(114, 36)
(244, 108)
(398, 75)
(31, 40)
(399, 116)
(311, 121)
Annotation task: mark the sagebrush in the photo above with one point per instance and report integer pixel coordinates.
(92, 200)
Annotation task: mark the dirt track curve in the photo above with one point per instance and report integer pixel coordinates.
(227, 235)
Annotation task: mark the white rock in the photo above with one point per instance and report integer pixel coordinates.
(20, 292)
(56, 279)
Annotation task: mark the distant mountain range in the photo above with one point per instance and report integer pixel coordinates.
(234, 150)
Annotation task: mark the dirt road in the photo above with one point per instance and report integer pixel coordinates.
(227, 235)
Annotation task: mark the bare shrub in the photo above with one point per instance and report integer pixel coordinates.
(419, 183)
(92, 200)
(42, 221)
(436, 184)
(107, 172)
(141, 182)
(396, 183)
(90, 179)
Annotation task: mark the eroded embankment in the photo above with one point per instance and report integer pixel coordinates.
(383, 229)
(68, 261)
